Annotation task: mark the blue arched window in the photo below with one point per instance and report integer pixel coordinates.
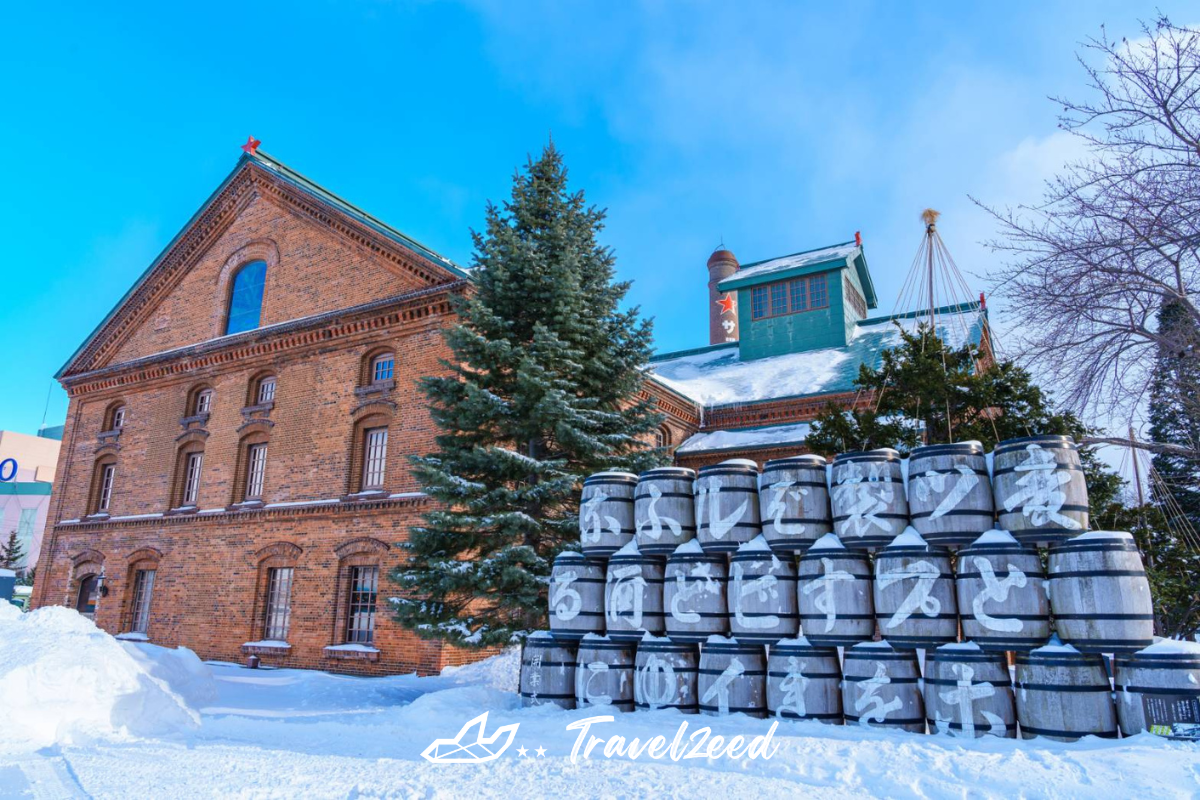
(245, 300)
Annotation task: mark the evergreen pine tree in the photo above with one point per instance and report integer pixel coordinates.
(12, 552)
(1175, 415)
(541, 391)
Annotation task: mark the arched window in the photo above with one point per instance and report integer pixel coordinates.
(89, 590)
(200, 401)
(383, 366)
(245, 298)
(114, 417)
(189, 467)
(103, 477)
(262, 389)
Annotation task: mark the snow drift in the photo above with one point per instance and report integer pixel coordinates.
(64, 681)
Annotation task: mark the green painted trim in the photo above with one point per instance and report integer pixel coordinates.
(864, 277)
(734, 282)
(25, 488)
(970, 305)
(798, 253)
(692, 352)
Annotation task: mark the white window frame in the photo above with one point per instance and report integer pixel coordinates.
(108, 473)
(118, 418)
(278, 617)
(203, 401)
(266, 390)
(143, 592)
(256, 470)
(192, 467)
(374, 457)
(383, 367)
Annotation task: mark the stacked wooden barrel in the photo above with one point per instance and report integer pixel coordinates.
(664, 510)
(762, 594)
(1099, 593)
(1064, 694)
(868, 502)
(1162, 681)
(666, 674)
(606, 513)
(949, 493)
(1040, 493)
(915, 601)
(733, 678)
(576, 596)
(881, 687)
(804, 682)
(604, 673)
(547, 671)
(727, 505)
(1002, 596)
(836, 601)
(968, 692)
(633, 594)
(793, 501)
(694, 594)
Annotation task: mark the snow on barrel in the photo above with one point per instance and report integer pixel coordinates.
(949, 493)
(1002, 599)
(1038, 485)
(880, 687)
(804, 682)
(915, 602)
(1158, 686)
(793, 501)
(868, 502)
(664, 510)
(547, 671)
(694, 589)
(665, 674)
(733, 678)
(727, 505)
(633, 594)
(1099, 593)
(604, 673)
(1063, 694)
(576, 596)
(762, 594)
(835, 599)
(606, 512)
(968, 692)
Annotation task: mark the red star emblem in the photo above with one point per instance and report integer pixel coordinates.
(727, 303)
(251, 146)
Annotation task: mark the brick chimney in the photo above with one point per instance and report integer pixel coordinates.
(722, 308)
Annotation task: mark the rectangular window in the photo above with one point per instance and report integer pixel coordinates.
(818, 297)
(382, 368)
(374, 457)
(855, 298)
(118, 420)
(143, 588)
(107, 473)
(191, 483)
(256, 468)
(266, 390)
(799, 294)
(360, 620)
(204, 401)
(279, 604)
(779, 302)
(758, 302)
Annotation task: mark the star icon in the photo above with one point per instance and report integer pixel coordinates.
(521, 751)
(250, 148)
(727, 304)
(541, 751)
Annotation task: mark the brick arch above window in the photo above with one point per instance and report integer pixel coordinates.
(199, 400)
(282, 550)
(192, 436)
(375, 411)
(257, 393)
(87, 561)
(265, 250)
(114, 416)
(255, 431)
(144, 554)
(378, 367)
(363, 545)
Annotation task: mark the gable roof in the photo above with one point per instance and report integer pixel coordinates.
(287, 175)
(847, 254)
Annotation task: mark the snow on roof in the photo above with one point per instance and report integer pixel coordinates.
(771, 435)
(846, 250)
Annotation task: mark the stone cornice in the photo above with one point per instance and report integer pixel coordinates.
(776, 412)
(670, 401)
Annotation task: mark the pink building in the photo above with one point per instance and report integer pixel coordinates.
(27, 466)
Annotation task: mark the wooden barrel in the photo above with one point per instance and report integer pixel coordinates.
(868, 502)
(604, 673)
(1002, 598)
(835, 599)
(1158, 686)
(694, 605)
(804, 682)
(968, 692)
(762, 594)
(664, 510)
(915, 602)
(606, 513)
(727, 505)
(1037, 483)
(880, 687)
(793, 502)
(1064, 694)
(1099, 593)
(666, 675)
(949, 493)
(733, 678)
(633, 594)
(547, 671)
(576, 596)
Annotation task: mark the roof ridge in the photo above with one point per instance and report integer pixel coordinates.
(793, 255)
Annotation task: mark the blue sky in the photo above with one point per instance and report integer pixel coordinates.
(775, 127)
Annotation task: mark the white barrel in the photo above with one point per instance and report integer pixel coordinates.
(1158, 687)
(915, 602)
(793, 502)
(733, 678)
(881, 687)
(694, 591)
(576, 596)
(1099, 593)
(762, 594)
(804, 682)
(666, 675)
(1040, 493)
(604, 674)
(1002, 600)
(868, 501)
(949, 493)
(606, 513)
(727, 505)
(664, 510)
(835, 600)
(1064, 694)
(968, 692)
(633, 594)
(547, 671)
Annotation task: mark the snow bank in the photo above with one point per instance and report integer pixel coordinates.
(501, 672)
(179, 668)
(63, 680)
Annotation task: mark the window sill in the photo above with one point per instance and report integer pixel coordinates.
(132, 637)
(99, 516)
(199, 419)
(113, 435)
(352, 652)
(376, 388)
(182, 510)
(247, 505)
(267, 647)
(259, 408)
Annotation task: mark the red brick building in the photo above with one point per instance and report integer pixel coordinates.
(233, 474)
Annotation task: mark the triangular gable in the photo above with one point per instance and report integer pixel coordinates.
(252, 174)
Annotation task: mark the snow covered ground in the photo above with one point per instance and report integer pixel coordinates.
(290, 733)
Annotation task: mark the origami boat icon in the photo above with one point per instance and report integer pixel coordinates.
(470, 746)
